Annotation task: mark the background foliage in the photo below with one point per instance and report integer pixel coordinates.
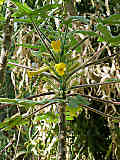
(26, 130)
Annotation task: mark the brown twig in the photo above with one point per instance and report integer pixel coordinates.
(95, 98)
(95, 62)
(101, 113)
(40, 95)
(95, 110)
(93, 85)
(33, 113)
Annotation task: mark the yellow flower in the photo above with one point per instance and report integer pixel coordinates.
(1, 2)
(35, 73)
(60, 68)
(56, 45)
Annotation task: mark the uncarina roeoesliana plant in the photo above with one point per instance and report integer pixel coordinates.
(61, 66)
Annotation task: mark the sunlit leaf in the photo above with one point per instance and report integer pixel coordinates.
(70, 19)
(13, 61)
(28, 45)
(89, 33)
(23, 8)
(34, 73)
(1, 2)
(112, 80)
(114, 40)
(28, 102)
(112, 19)
(106, 33)
(76, 101)
(11, 122)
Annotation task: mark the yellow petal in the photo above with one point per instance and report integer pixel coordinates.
(34, 73)
(60, 68)
(1, 2)
(56, 45)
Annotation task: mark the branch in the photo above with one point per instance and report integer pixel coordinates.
(77, 45)
(97, 111)
(101, 113)
(95, 62)
(22, 66)
(33, 113)
(39, 33)
(95, 98)
(93, 85)
(40, 95)
(35, 69)
(2, 106)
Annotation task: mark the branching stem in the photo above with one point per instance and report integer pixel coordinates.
(95, 62)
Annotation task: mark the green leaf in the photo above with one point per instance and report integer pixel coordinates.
(89, 33)
(49, 117)
(100, 39)
(1, 2)
(106, 33)
(18, 13)
(115, 41)
(11, 122)
(43, 10)
(77, 101)
(76, 18)
(22, 20)
(112, 80)
(82, 100)
(13, 61)
(28, 103)
(72, 108)
(27, 20)
(69, 118)
(28, 45)
(2, 18)
(74, 105)
(23, 7)
(72, 102)
(116, 121)
(113, 19)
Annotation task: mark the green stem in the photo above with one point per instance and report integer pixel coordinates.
(95, 62)
(39, 33)
(62, 133)
(62, 126)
